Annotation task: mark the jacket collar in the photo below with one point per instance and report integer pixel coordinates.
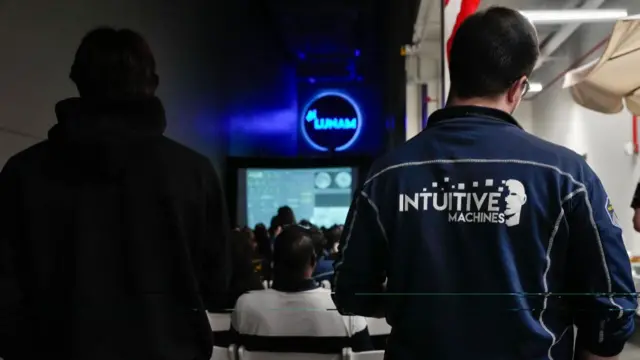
(294, 286)
(140, 115)
(462, 112)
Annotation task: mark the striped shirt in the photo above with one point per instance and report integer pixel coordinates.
(304, 320)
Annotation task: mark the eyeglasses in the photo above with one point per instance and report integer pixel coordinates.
(525, 87)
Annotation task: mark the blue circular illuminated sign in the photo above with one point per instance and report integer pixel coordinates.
(331, 121)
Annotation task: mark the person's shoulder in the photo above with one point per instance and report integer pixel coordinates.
(546, 153)
(28, 156)
(181, 159)
(324, 265)
(250, 299)
(391, 159)
(318, 297)
(183, 153)
(399, 157)
(534, 142)
(319, 290)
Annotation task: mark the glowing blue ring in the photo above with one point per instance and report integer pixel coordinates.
(351, 102)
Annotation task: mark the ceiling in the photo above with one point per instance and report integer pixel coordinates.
(432, 24)
(331, 40)
(544, 31)
(428, 28)
(324, 38)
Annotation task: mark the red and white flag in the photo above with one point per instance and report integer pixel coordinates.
(455, 12)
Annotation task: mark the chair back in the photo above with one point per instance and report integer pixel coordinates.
(243, 354)
(365, 355)
(220, 353)
(378, 326)
(219, 321)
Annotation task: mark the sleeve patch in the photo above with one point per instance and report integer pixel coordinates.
(612, 214)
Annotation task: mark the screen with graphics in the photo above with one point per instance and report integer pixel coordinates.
(320, 195)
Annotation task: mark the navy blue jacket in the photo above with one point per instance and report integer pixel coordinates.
(494, 243)
(323, 270)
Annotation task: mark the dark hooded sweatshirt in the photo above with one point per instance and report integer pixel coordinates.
(113, 240)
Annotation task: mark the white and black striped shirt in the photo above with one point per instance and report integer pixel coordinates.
(296, 321)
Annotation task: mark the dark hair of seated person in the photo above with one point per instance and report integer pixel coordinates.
(294, 258)
(286, 216)
(243, 278)
(333, 235)
(273, 227)
(318, 239)
(263, 241)
(263, 249)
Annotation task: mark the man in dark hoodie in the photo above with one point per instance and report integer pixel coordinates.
(113, 238)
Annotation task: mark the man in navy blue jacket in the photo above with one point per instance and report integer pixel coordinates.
(494, 243)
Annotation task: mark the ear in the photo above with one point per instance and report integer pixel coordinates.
(314, 260)
(514, 94)
(155, 81)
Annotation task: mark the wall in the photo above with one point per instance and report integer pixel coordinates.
(261, 103)
(556, 117)
(40, 38)
(524, 115)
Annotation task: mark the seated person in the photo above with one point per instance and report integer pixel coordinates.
(285, 216)
(274, 229)
(243, 276)
(295, 315)
(333, 240)
(324, 266)
(264, 250)
(243, 279)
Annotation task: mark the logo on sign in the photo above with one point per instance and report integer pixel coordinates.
(331, 121)
(482, 202)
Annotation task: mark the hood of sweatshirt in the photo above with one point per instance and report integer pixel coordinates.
(97, 138)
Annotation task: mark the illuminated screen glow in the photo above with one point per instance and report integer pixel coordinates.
(331, 120)
(320, 195)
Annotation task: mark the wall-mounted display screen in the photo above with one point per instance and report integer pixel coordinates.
(320, 195)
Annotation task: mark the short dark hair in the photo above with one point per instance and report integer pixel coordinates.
(491, 50)
(263, 240)
(293, 252)
(333, 235)
(286, 216)
(318, 239)
(114, 64)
